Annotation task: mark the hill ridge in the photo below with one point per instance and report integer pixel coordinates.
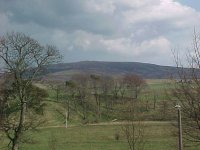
(146, 70)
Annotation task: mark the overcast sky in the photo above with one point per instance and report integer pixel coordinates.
(106, 30)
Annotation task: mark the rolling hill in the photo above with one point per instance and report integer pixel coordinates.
(64, 71)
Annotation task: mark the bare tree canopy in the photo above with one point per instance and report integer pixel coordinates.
(187, 90)
(23, 59)
(22, 53)
(135, 82)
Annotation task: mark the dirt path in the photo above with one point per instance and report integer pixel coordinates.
(108, 123)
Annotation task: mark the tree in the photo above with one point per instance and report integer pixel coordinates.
(57, 88)
(135, 83)
(105, 94)
(81, 82)
(122, 90)
(70, 93)
(115, 91)
(187, 90)
(134, 129)
(104, 87)
(95, 88)
(24, 58)
(134, 134)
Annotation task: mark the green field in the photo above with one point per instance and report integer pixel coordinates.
(158, 136)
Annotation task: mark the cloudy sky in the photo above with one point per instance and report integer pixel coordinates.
(106, 30)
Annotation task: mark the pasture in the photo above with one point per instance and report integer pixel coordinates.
(159, 135)
(102, 137)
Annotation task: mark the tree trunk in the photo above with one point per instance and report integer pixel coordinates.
(66, 118)
(68, 110)
(57, 94)
(18, 130)
(15, 146)
(99, 110)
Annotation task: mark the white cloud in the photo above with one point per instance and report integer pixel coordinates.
(166, 10)
(125, 29)
(4, 23)
(127, 47)
(103, 6)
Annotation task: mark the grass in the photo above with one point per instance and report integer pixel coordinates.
(158, 136)
(154, 90)
(96, 137)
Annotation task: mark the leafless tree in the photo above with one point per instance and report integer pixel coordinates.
(122, 90)
(115, 92)
(135, 83)
(105, 87)
(52, 142)
(154, 100)
(134, 130)
(95, 89)
(81, 81)
(70, 91)
(187, 90)
(57, 87)
(134, 134)
(23, 58)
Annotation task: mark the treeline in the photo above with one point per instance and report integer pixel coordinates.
(98, 97)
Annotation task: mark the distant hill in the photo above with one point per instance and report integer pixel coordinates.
(63, 71)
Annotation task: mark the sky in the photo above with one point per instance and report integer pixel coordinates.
(106, 30)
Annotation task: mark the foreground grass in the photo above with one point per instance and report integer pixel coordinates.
(158, 136)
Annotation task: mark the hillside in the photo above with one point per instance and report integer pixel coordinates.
(149, 71)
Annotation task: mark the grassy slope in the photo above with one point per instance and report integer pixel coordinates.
(158, 136)
(55, 119)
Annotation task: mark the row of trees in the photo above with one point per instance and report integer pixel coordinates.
(94, 93)
(102, 95)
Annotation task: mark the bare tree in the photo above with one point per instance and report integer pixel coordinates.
(95, 88)
(81, 81)
(187, 90)
(53, 143)
(70, 94)
(122, 90)
(154, 100)
(134, 131)
(134, 134)
(115, 91)
(24, 58)
(57, 88)
(135, 83)
(105, 86)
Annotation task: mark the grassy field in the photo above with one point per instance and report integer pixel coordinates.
(158, 136)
